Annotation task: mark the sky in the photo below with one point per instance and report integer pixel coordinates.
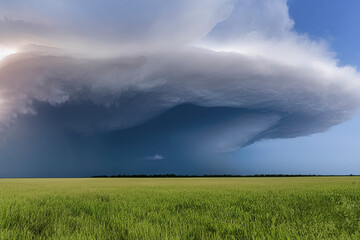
(336, 151)
(158, 87)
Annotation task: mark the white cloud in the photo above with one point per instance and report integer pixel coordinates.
(109, 28)
(155, 157)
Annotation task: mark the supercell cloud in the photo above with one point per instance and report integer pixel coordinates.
(122, 64)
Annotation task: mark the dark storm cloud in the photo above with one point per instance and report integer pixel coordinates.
(286, 101)
(131, 62)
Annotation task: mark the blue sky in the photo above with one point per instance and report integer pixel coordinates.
(336, 22)
(216, 87)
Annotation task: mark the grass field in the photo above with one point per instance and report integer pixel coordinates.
(185, 208)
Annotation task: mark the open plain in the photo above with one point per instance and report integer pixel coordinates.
(181, 208)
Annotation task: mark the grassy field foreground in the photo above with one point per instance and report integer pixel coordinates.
(186, 208)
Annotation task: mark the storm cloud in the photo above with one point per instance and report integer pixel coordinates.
(128, 63)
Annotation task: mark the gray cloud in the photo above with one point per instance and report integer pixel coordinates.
(295, 101)
(288, 85)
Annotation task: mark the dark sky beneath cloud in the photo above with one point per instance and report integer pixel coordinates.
(176, 135)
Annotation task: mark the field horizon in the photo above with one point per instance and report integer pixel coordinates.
(192, 176)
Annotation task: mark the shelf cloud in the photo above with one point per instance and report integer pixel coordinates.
(140, 60)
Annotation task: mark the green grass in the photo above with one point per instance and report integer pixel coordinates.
(186, 208)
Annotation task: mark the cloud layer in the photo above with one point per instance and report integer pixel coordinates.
(158, 55)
